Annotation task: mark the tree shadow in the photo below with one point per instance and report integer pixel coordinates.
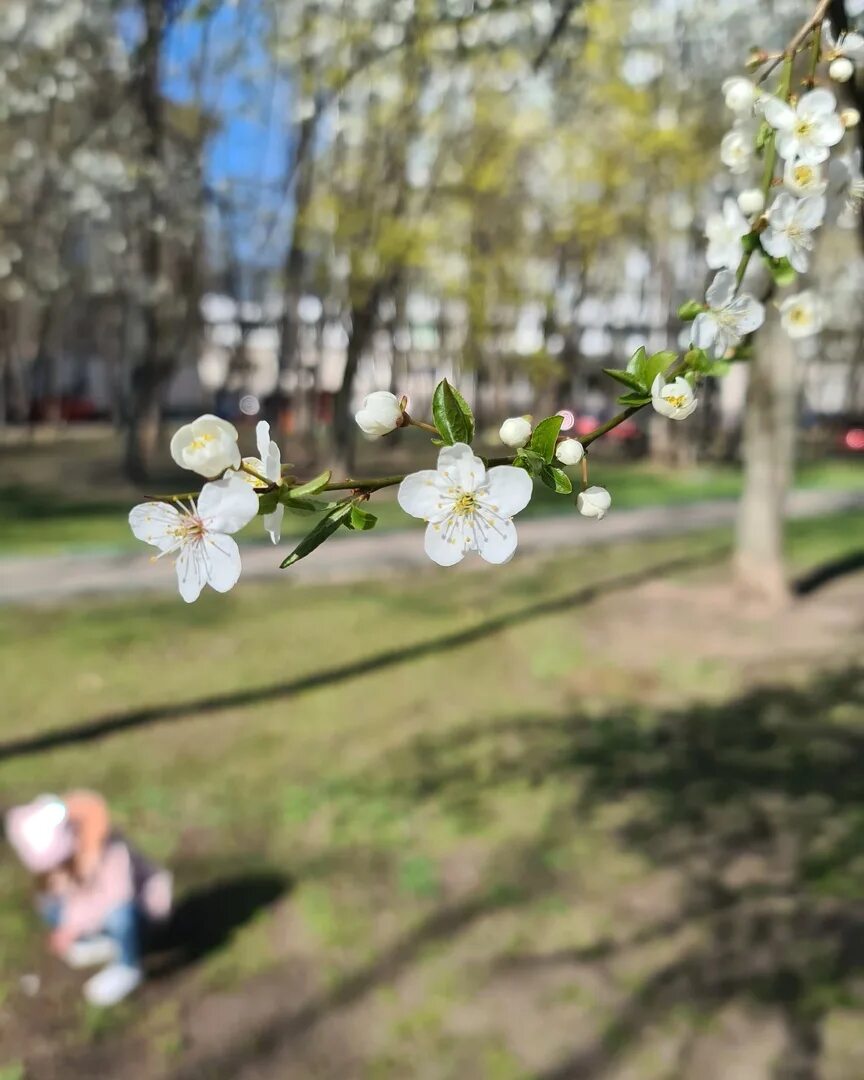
(821, 575)
(128, 720)
(754, 804)
(205, 918)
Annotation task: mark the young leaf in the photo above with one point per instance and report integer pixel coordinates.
(698, 360)
(311, 487)
(636, 398)
(636, 364)
(655, 365)
(452, 414)
(556, 479)
(322, 531)
(544, 436)
(781, 270)
(268, 502)
(362, 520)
(625, 377)
(528, 460)
(688, 311)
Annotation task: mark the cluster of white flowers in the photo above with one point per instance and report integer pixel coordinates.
(785, 211)
(199, 532)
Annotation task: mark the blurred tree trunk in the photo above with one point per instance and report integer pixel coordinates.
(151, 371)
(344, 428)
(768, 451)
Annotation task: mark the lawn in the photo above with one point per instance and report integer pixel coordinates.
(68, 495)
(557, 819)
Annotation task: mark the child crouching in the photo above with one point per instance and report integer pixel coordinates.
(93, 889)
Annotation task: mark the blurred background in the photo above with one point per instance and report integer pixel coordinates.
(595, 814)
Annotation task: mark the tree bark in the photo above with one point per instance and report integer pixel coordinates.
(151, 371)
(768, 449)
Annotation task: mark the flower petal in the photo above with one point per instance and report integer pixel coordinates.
(777, 113)
(227, 505)
(831, 130)
(508, 489)
(156, 523)
(810, 212)
(748, 313)
(721, 290)
(462, 466)
(497, 544)
(440, 549)
(704, 330)
(262, 439)
(222, 561)
(816, 104)
(191, 571)
(420, 494)
(273, 523)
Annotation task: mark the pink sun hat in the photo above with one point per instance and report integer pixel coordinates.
(41, 834)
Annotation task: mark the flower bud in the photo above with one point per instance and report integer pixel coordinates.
(850, 117)
(751, 201)
(515, 432)
(381, 414)
(739, 94)
(593, 502)
(841, 70)
(569, 451)
(207, 446)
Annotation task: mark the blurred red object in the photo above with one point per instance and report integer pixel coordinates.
(854, 439)
(626, 431)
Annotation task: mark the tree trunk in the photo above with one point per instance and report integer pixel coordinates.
(768, 450)
(143, 422)
(344, 428)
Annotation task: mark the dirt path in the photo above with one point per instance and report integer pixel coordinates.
(64, 577)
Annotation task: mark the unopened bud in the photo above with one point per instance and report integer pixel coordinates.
(850, 117)
(751, 201)
(841, 70)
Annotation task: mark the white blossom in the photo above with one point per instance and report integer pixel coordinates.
(850, 116)
(841, 70)
(724, 231)
(802, 315)
(738, 147)
(515, 432)
(200, 535)
(207, 446)
(467, 507)
(674, 400)
(593, 502)
(791, 223)
(381, 414)
(849, 44)
(807, 131)
(729, 317)
(740, 94)
(751, 201)
(569, 451)
(802, 179)
(268, 465)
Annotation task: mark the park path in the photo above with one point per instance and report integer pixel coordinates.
(53, 578)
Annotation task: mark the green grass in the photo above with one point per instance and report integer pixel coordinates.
(47, 516)
(456, 806)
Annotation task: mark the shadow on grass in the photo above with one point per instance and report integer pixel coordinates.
(206, 917)
(755, 805)
(115, 723)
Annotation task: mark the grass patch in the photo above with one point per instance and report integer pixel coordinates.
(488, 791)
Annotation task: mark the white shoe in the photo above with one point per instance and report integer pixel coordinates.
(90, 952)
(112, 985)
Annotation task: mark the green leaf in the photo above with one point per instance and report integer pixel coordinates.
(698, 360)
(636, 364)
(307, 506)
(556, 479)
(268, 502)
(311, 487)
(625, 377)
(544, 437)
(530, 461)
(655, 365)
(763, 135)
(322, 531)
(634, 399)
(362, 520)
(452, 414)
(689, 310)
(781, 270)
